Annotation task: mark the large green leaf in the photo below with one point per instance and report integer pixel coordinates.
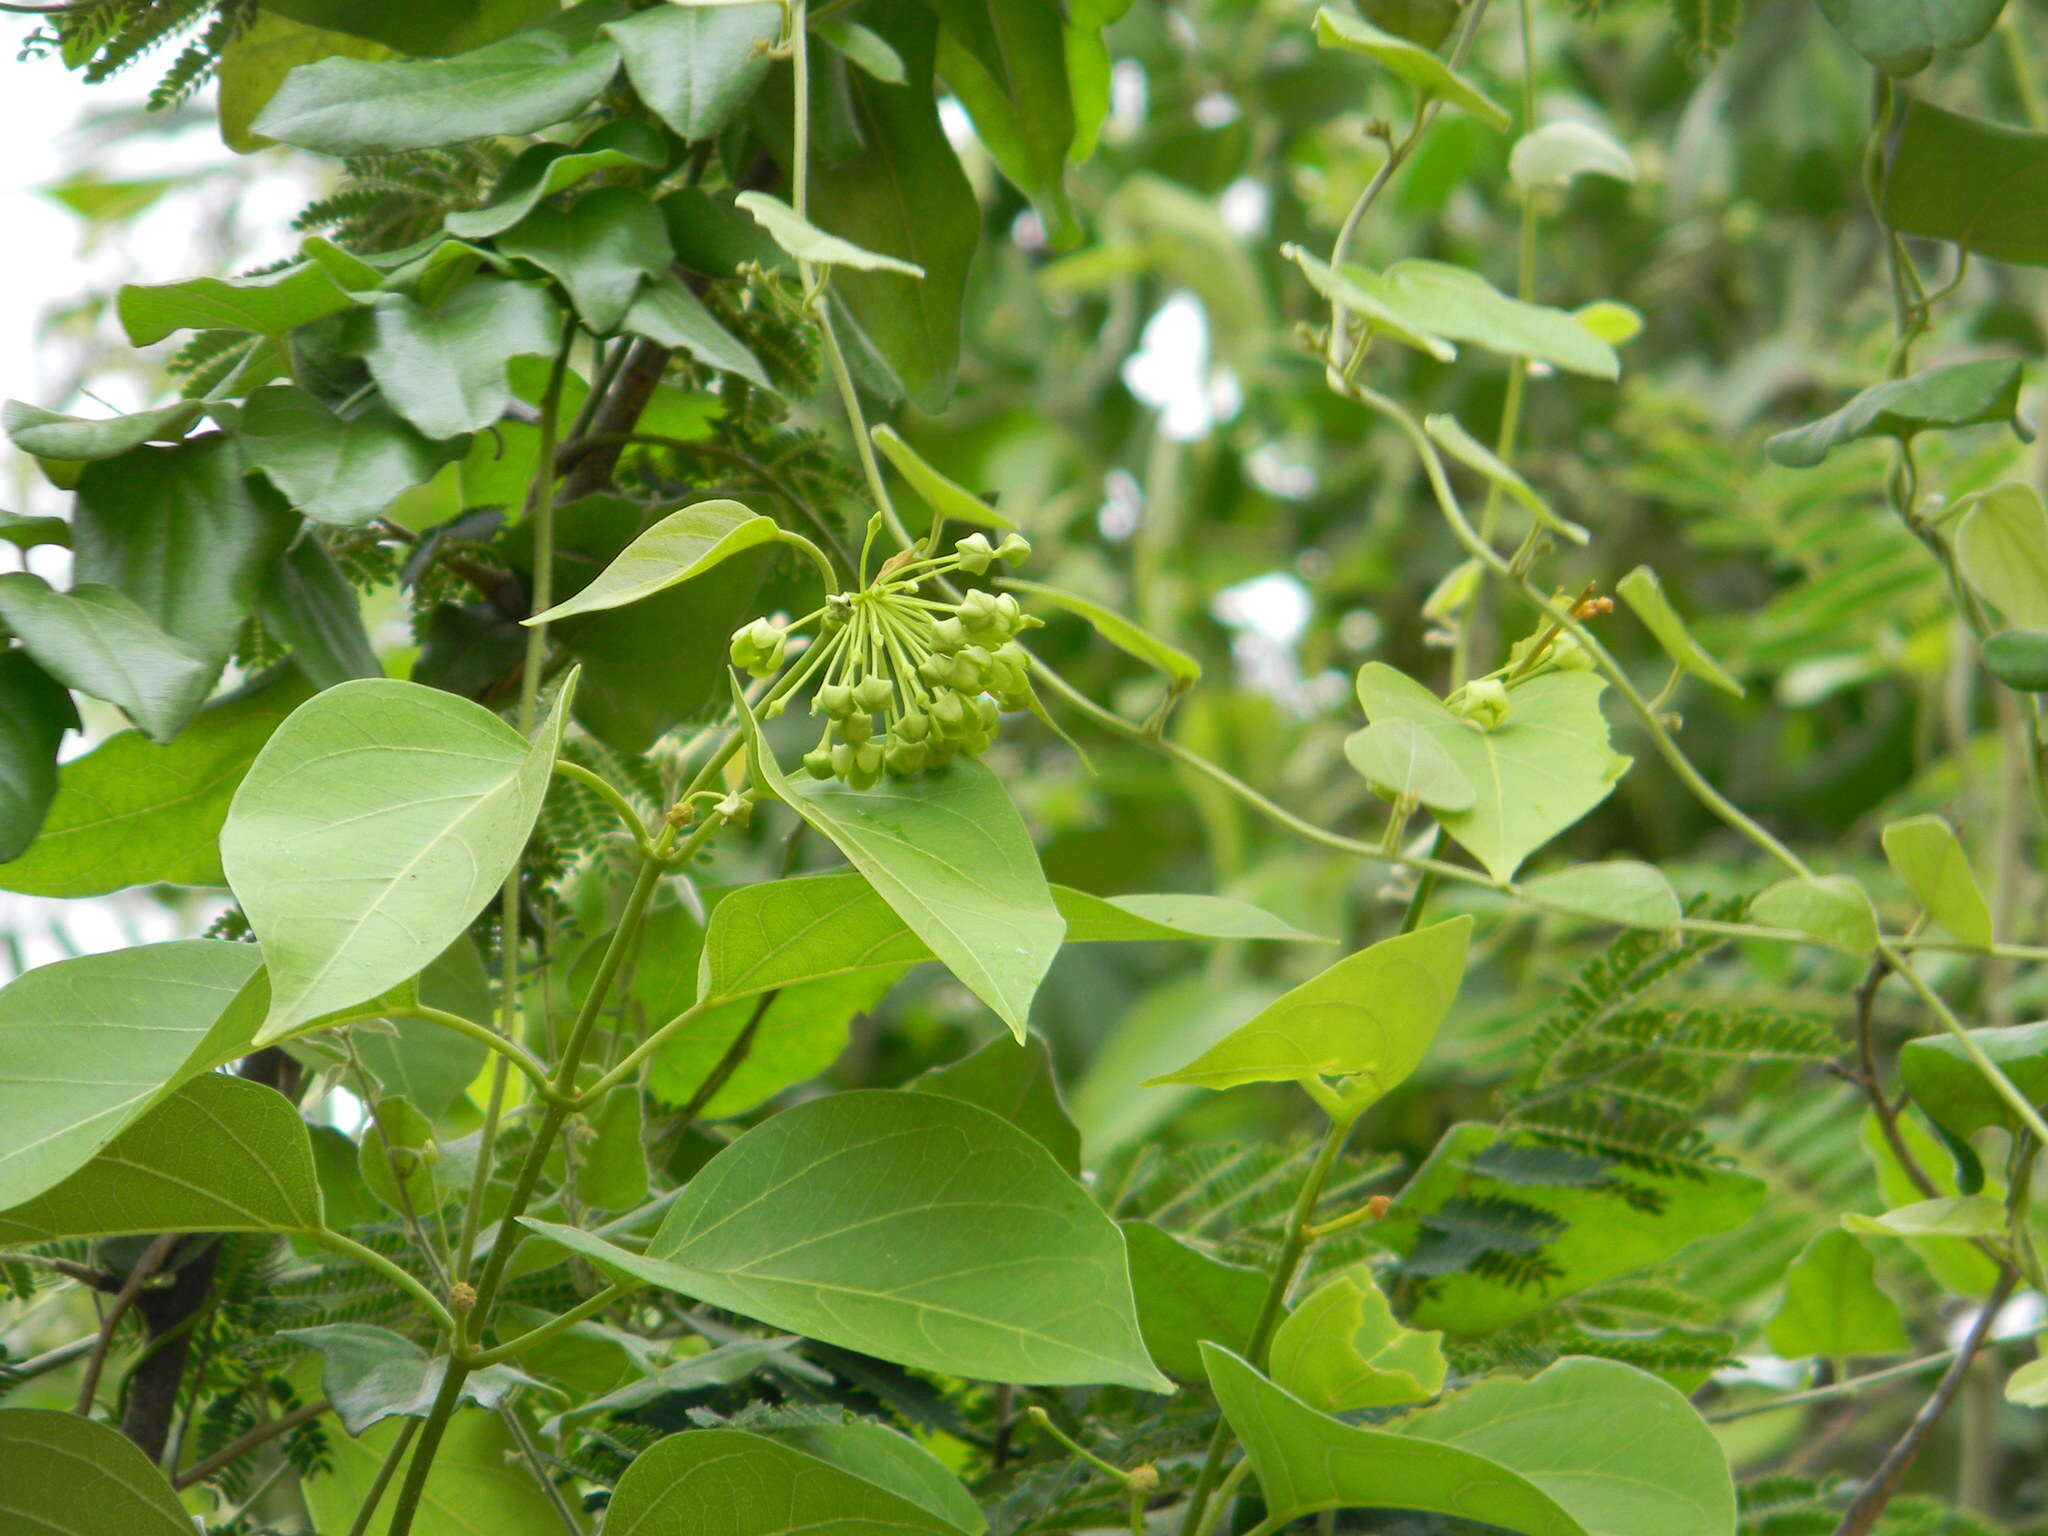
(1624, 891)
(1018, 1082)
(1006, 63)
(132, 812)
(1832, 1306)
(371, 1374)
(1367, 1020)
(479, 1485)
(1974, 182)
(911, 1226)
(179, 532)
(445, 370)
(68, 1475)
(1934, 399)
(335, 470)
(686, 543)
(373, 826)
(259, 57)
(1436, 299)
(268, 305)
(1341, 1349)
(35, 712)
(889, 1460)
(542, 170)
(309, 606)
(1956, 1095)
(218, 1155)
(600, 250)
(92, 1044)
(1186, 1296)
(1901, 36)
(2001, 546)
(1398, 757)
(96, 640)
(952, 857)
(729, 1482)
(1307, 1461)
(1924, 852)
(50, 436)
(1620, 1450)
(667, 312)
(904, 195)
(695, 66)
(1540, 770)
(1420, 67)
(517, 85)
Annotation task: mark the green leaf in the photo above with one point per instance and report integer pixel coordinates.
(951, 856)
(667, 312)
(97, 641)
(35, 712)
(889, 1460)
(479, 1485)
(599, 250)
(399, 1159)
(1623, 891)
(1832, 1305)
(1923, 852)
(371, 1374)
(1434, 298)
(2018, 658)
(1019, 1083)
(1369, 1017)
(695, 66)
(1398, 757)
(424, 31)
(903, 195)
(728, 1365)
(1948, 1216)
(1161, 1028)
(68, 1475)
(269, 305)
(445, 369)
(1006, 63)
(806, 242)
(1956, 1264)
(343, 472)
(1900, 36)
(1540, 770)
(611, 1167)
(259, 57)
(371, 829)
(542, 170)
(945, 497)
(2002, 549)
(1186, 1296)
(48, 435)
(1955, 1095)
(1119, 631)
(759, 1486)
(132, 812)
(1623, 1452)
(863, 48)
(1422, 69)
(1932, 400)
(1461, 445)
(2028, 1386)
(33, 532)
(309, 605)
(685, 544)
(1832, 910)
(1307, 1461)
(1641, 590)
(1974, 182)
(1358, 291)
(218, 1155)
(177, 531)
(424, 1062)
(910, 1226)
(1175, 915)
(520, 84)
(1558, 153)
(1341, 1349)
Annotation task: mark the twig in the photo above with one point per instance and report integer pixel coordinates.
(1872, 1084)
(151, 1261)
(1865, 1510)
(261, 1435)
(735, 1054)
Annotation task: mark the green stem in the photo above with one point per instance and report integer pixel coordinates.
(1292, 1247)
(511, 1350)
(372, 1259)
(382, 1480)
(610, 794)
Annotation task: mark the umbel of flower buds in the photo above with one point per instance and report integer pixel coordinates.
(905, 683)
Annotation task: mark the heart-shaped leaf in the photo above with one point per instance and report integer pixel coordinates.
(1948, 1085)
(1185, 1296)
(1832, 1306)
(1540, 770)
(335, 470)
(695, 66)
(95, 640)
(542, 170)
(1901, 36)
(1341, 1349)
(1398, 757)
(1832, 910)
(371, 829)
(906, 1225)
(1624, 891)
(1355, 289)
(218, 1155)
(1019, 1083)
(600, 250)
(445, 369)
(1434, 298)
(1974, 182)
(1370, 1017)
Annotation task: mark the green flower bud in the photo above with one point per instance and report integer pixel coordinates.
(936, 669)
(842, 761)
(905, 758)
(818, 762)
(873, 692)
(836, 700)
(855, 729)
(978, 610)
(948, 635)
(1014, 550)
(990, 716)
(1567, 655)
(867, 758)
(975, 553)
(971, 669)
(1485, 702)
(949, 713)
(914, 726)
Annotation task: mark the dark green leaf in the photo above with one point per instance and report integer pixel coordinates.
(32, 532)
(371, 1374)
(1006, 62)
(268, 305)
(1935, 399)
(1900, 36)
(97, 641)
(338, 471)
(599, 250)
(695, 66)
(1018, 1082)
(2018, 658)
(445, 369)
(1977, 183)
(35, 712)
(667, 312)
(862, 47)
(1186, 1296)
(424, 31)
(48, 435)
(542, 170)
(309, 605)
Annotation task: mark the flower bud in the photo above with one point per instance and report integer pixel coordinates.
(873, 692)
(949, 713)
(914, 726)
(842, 761)
(905, 758)
(988, 714)
(936, 669)
(818, 762)
(948, 635)
(971, 669)
(1484, 702)
(975, 553)
(836, 700)
(1014, 550)
(855, 728)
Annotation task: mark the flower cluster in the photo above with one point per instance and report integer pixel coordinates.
(906, 683)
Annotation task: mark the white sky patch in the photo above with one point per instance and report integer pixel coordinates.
(1171, 372)
(1128, 93)
(1123, 506)
(1244, 208)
